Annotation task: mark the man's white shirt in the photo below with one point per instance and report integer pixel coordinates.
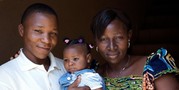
(22, 74)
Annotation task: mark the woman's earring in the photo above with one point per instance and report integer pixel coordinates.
(129, 43)
(97, 49)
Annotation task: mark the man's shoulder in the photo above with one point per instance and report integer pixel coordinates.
(10, 64)
(8, 68)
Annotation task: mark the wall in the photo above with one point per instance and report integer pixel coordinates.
(75, 17)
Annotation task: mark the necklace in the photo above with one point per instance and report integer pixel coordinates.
(122, 69)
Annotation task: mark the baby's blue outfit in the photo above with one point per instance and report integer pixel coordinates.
(88, 78)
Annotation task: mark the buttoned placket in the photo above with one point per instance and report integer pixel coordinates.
(46, 76)
(49, 83)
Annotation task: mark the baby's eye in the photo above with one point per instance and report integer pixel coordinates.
(65, 60)
(75, 59)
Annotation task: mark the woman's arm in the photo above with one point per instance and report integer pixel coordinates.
(166, 82)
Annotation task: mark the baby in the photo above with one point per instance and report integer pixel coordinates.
(77, 60)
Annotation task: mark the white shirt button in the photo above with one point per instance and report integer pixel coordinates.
(68, 78)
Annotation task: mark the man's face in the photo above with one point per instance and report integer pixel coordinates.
(39, 33)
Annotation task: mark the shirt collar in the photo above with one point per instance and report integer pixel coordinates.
(53, 61)
(83, 71)
(25, 64)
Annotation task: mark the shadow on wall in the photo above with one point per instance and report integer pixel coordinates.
(152, 22)
(159, 28)
(75, 18)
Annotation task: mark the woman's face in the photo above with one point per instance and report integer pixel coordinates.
(39, 33)
(113, 44)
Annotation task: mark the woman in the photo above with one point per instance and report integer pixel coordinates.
(112, 32)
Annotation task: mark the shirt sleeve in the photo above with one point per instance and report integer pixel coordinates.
(93, 80)
(5, 83)
(160, 63)
(3, 86)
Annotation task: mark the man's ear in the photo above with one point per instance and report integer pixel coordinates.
(89, 58)
(21, 30)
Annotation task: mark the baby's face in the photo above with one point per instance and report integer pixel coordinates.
(75, 58)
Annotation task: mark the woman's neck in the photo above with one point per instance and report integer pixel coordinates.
(116, 70)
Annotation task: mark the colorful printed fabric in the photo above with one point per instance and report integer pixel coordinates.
(157, 64)
(124, 83)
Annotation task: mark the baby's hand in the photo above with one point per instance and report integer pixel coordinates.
(74, 85)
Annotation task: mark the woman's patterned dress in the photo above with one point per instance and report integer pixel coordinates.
(158, 64)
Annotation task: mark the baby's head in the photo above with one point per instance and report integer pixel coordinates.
(76, 55)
